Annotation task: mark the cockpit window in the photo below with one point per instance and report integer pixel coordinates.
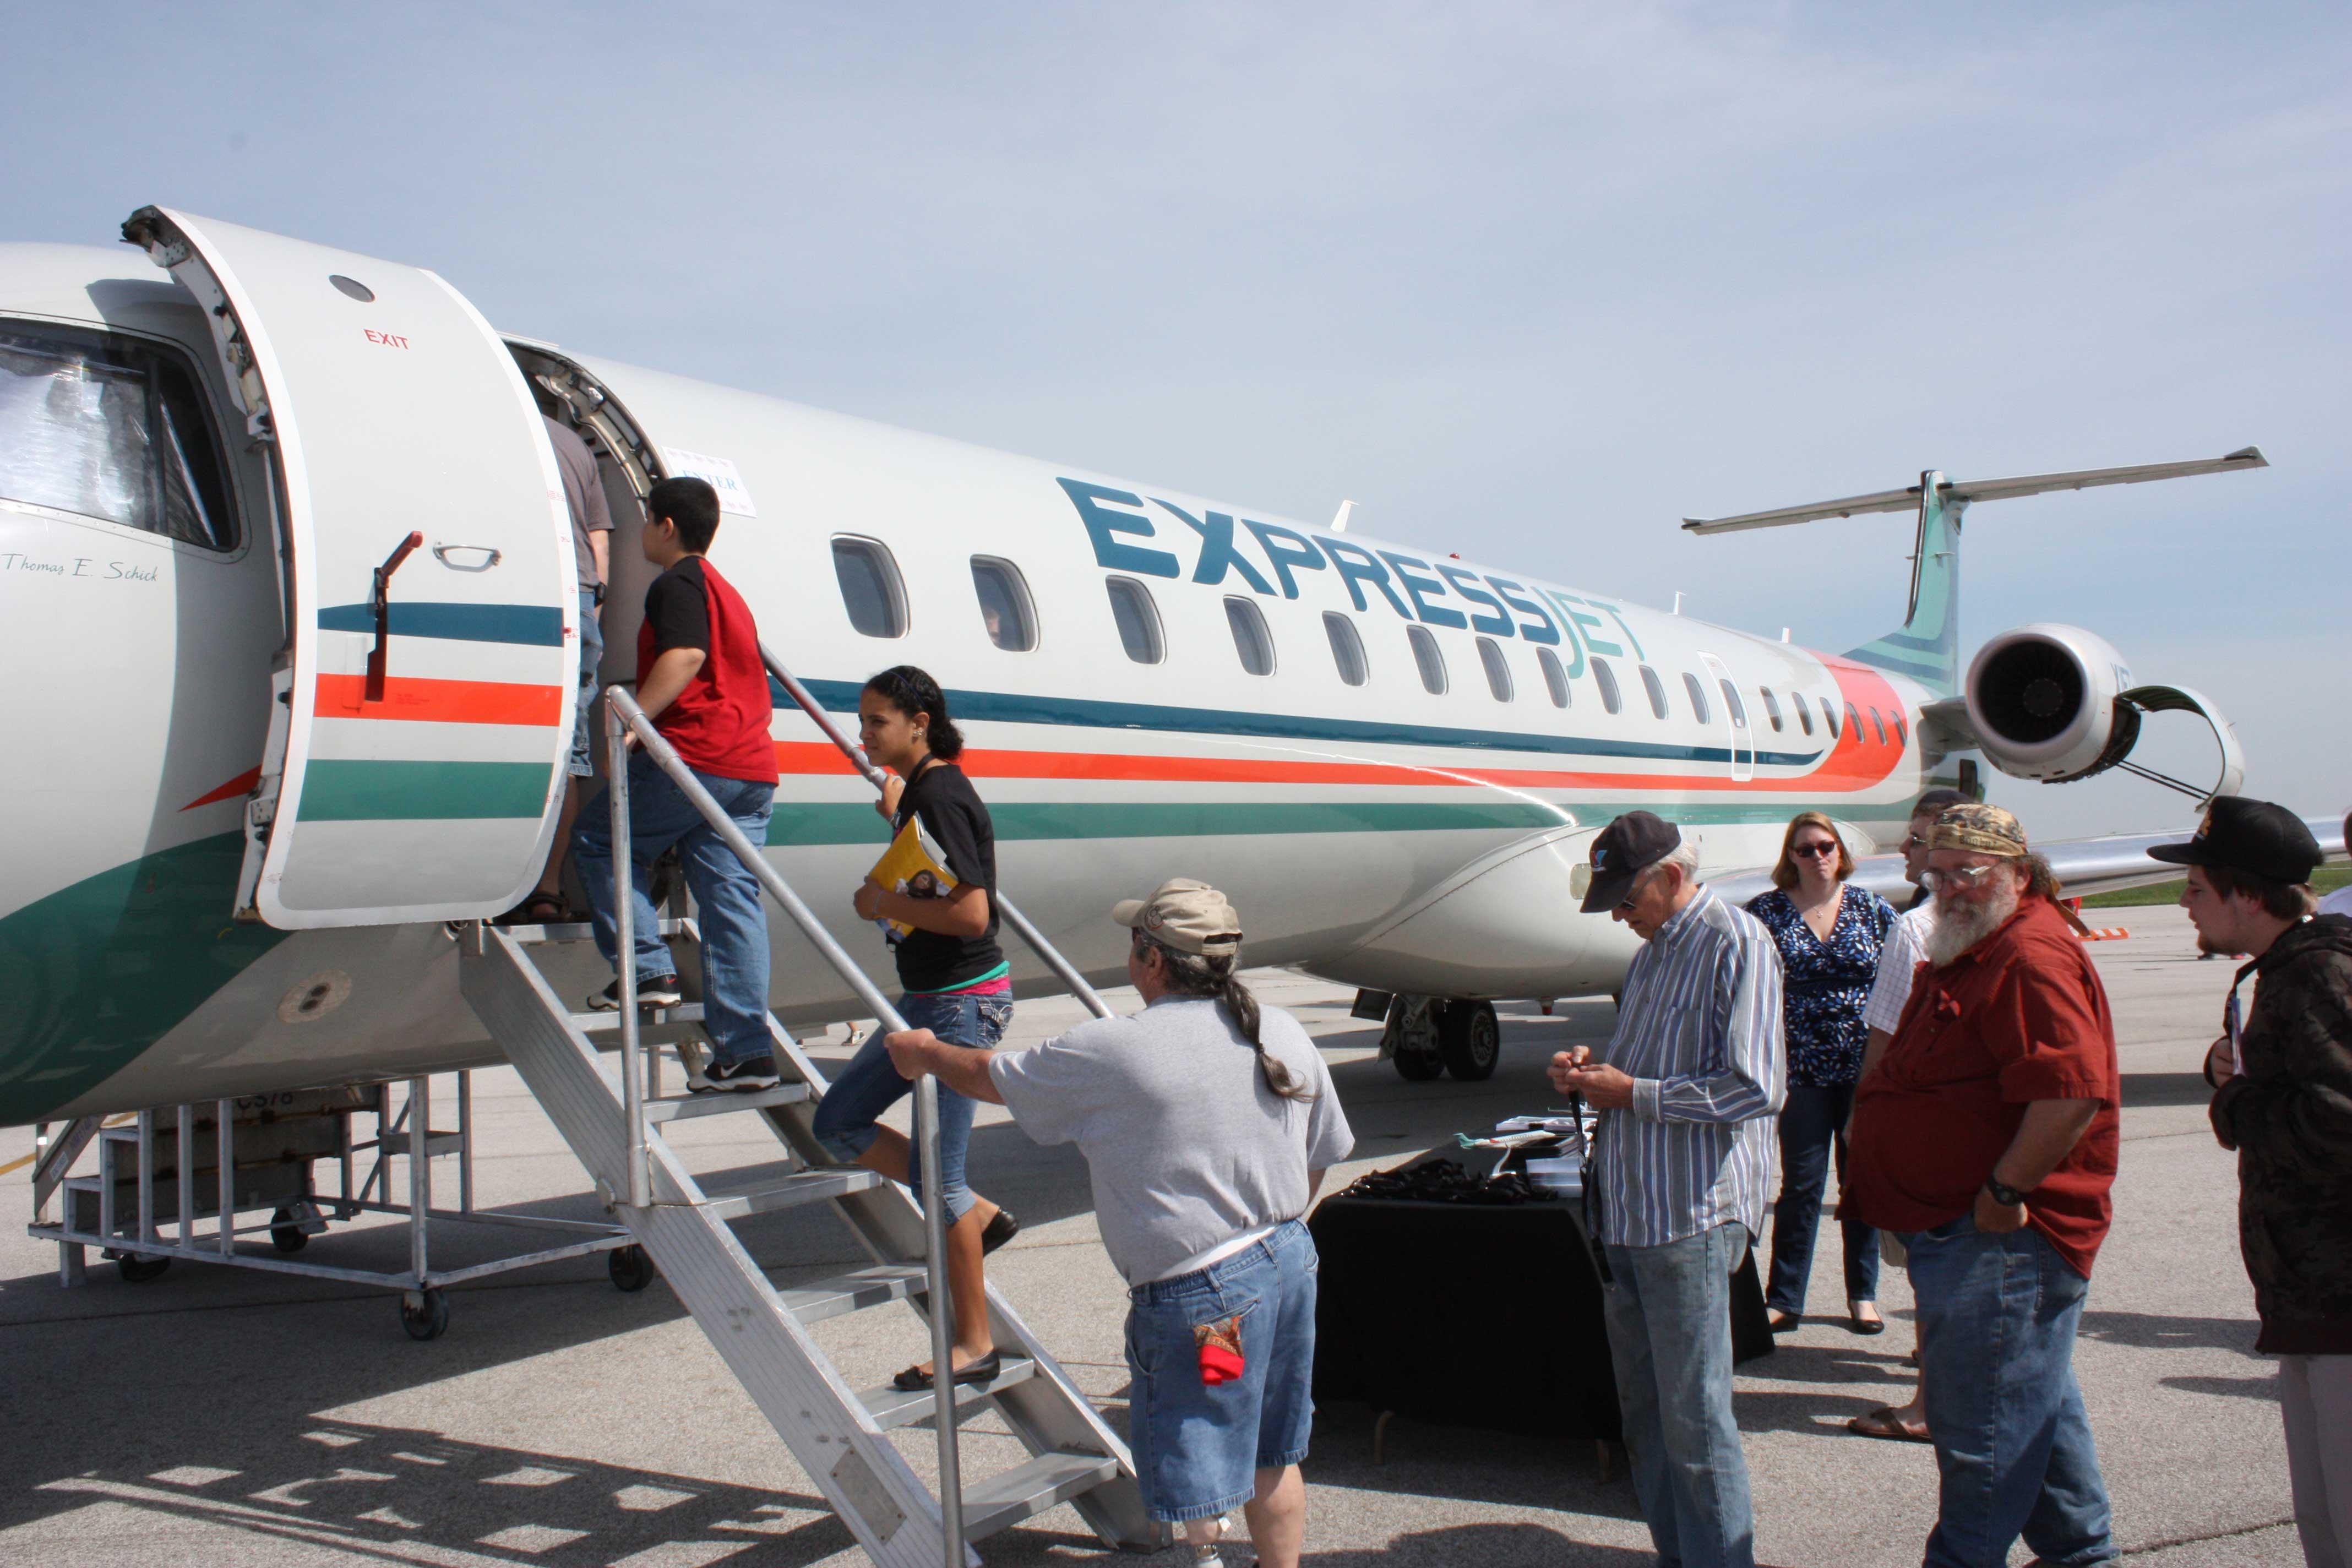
(110, 428)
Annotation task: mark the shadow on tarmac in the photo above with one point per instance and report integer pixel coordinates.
(2142, 1090)
(2148, 1330)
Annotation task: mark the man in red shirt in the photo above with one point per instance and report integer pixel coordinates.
(1987, 1139)
(702, 681)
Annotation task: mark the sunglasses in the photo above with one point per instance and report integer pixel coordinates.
(1823, 849)
(1965, 877)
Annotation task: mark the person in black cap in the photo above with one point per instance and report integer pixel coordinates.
(2282, 1099)
(1688, 1088)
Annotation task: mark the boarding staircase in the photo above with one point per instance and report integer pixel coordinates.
(609, 1110)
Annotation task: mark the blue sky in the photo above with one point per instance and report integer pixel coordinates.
(1530, 283)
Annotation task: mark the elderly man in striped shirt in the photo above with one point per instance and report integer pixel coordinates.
(1688, 1088)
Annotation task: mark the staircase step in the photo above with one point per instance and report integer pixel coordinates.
(683, 1107)
(577, 931)
(876, 1286)
(1029, 1489)
(891, 1407)
(804, 1187)
(602, 1022)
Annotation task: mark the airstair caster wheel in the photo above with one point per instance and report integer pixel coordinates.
(631, 1270)
(1470, 1039)
(424, 1313)
(138, 1270)
(285, 1233)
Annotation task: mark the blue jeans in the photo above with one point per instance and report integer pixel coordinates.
(1669, 1316)
(1812, 1121)
(1997, 1319)
(587, 725)
(845, 1117)
(1198, 1448)
(726, 895)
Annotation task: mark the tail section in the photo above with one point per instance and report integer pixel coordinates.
(1926, 646)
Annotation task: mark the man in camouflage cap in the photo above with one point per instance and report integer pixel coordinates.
(2282, 1099)
(1987, 1140)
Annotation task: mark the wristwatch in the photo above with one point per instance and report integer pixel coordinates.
(2007, 1197)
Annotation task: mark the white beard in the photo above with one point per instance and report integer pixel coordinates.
(1959, 927)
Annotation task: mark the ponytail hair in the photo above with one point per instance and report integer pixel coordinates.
(1204, 974)
(912, 692)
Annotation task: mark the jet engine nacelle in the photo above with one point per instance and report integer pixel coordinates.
(2057, 703)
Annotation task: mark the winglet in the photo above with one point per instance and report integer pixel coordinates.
(1340, 521)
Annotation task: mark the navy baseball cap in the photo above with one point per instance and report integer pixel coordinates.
(2251, 836)
(1622, 851)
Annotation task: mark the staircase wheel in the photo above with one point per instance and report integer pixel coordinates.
(286, 1232)
(631, 1270)
(1470, 1039)
(138, 1270)
(425, 1314)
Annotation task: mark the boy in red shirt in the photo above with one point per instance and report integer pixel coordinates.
(700, 679)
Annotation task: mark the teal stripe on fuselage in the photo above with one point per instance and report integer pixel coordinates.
(537, 626)
(1010, 708)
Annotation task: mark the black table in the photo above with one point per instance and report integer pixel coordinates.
(1472, 1316)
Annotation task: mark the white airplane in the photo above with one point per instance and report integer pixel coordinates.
(266, 755)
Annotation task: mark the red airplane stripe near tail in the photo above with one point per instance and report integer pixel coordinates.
(419, 698)
(241, 784)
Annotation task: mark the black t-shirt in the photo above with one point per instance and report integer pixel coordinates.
(677, 608)
(959, 827)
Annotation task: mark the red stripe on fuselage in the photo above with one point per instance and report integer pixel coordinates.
(416, 698)
(241, 784)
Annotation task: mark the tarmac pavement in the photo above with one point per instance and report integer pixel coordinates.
(226, 1416)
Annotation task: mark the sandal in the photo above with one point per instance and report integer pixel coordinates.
(1887, 1422)
(986, 1369)
(538, 910)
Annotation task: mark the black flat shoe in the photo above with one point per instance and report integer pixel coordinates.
(1861, 1325)
(915, 1379)
(1787, 1322)
(1001, 1229)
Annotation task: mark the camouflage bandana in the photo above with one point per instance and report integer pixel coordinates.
(1978, 829)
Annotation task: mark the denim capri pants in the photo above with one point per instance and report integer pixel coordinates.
(845, 1117)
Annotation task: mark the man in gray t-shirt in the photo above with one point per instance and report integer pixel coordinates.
(1207, 1124)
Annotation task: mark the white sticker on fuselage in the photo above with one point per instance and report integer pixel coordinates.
(720, 474)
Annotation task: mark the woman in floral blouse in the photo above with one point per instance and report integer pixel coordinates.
(1829, 935)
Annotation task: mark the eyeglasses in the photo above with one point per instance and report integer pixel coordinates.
(1823, 849)
(1920, 839)
(1963, 877)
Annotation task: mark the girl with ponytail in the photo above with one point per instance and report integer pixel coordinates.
(953, 980)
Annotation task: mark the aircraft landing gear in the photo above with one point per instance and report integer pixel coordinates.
(1470, 1039)
(1426, 1035)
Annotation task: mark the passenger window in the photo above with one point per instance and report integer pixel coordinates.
(1804, 714)
(870, 589)
(1431, 662)
(1555, 677)
(113, 429)
(1771, 706)
(1138, 620)
(1251, 641)
(1004, 606)
(1828, 716)
(1606, 679)
(1878, 724)
(1902, 736)
(1347, 647)
(1498, 674)
(1697, 697)
(1656, 689)
(1853, 722)
(1737, 710)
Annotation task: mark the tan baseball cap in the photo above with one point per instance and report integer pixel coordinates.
(1189, 916)
(1982, 829)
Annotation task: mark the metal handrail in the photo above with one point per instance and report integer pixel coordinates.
(623, 717)
(1063, 971)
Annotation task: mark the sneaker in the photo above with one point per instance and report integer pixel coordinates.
(661, 992)
(751, 1074)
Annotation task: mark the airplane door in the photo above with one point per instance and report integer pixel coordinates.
(1735, 718)
(425, 711)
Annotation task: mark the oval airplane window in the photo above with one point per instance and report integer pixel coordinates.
(1771, 706)
(1138, 620)
(1498, 674)
(1731, 703)
(1347, 647)
(1428, 660)
(1853, 723)
(1555, 677)
(870, 589)
(1902, 736)
(1804, 714)
(1878, 724)
(1606, 679)
(1698, 698)
(1828, 716)
(1656, 689)
(353, 287)
(1004, 606)
(1251, 641)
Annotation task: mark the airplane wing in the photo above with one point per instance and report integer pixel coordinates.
(2082, 865)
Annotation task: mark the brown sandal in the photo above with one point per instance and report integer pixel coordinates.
(1884, 1421)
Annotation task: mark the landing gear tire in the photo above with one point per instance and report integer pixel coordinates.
(138, 1270)
(286, 1232)
(1410, 1039)
(631, 1270)
(1470, 1039)
(1419, 1067)
(424, 1313)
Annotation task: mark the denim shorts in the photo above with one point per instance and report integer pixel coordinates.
(1198, 1448)
(869, 1085)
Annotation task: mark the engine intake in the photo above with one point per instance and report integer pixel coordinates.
(2056, 703)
